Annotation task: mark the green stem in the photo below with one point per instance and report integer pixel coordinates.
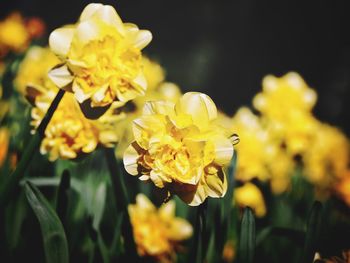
(200, 232)
(11, 182)
(122, 201)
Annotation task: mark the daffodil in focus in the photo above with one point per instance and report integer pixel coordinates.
(101, 58)
(157, 89)
(4, 144)
(69, 134)
(180, 148)
(250, 195)
(286, 104)
(157, 232)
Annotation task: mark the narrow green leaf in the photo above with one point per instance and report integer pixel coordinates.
(98, 204)
(312, 233)
(54, 237)
(246, 246)
(62, 195)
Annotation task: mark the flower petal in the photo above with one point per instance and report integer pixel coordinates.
(158, 107)
(142, 38)
(143, 202)
(89, 11)
(61, 39)
(130, 159)
(223, 150)
(167, 210)
(216, 184)
(199, 105)
(61, 76)
(179, 229)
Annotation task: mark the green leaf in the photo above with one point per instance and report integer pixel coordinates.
(246, 246)
(98, 204)
(312, 233)
(62, 195)
(54, 237)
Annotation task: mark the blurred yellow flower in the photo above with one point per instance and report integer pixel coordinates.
(180, 148)
(285, 104)
(157, 232)
(327, 157)
(34, 68)
(157, 90)
(69, 133)
(250, 195)
(101, 57)
(4, 144)
(13, 34)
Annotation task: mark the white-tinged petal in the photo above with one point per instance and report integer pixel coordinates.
(110, 16)
(87, 31)
(144, 177)
(158, 107)
(130, 160)
(99, 95)
(60, 40)
(140, 81)
(142, 38)
(61, 76)
(157, 179)
(89, 11)
(143, 202)
(223, 150)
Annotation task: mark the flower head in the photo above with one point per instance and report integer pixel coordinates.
(157, 232)
(69, 134)
(101, 57)
(180, 148)
(285, 104)
(250, 195)
(157, 89)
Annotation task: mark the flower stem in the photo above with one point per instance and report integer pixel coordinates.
(11, 182)
(200, 232)
(122, 201)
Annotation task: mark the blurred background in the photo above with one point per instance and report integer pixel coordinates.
(224, 48)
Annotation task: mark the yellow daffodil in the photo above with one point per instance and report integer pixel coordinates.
(157, 232)
(69, 134)
(101, 57)
(327, 157)
(157, 90)
(4, 144)
(285, 104)
(180, 148)
(250, 195)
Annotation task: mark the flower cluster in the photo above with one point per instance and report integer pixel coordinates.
(69, 134)
(286, 136)
(180, 148)
(101, 58)
(157, 232)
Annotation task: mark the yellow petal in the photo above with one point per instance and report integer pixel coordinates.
(61, 76)
(130, 160)
(200, 106)
(60, 40)
(158, 107)
(143, 202)
(167, 210)
(179, 229)
(110, 16)
(146, 126)
(157, 179)
(216, 184)
(140, 81)
(223, 150)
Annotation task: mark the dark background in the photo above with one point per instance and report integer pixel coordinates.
(224, 48)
